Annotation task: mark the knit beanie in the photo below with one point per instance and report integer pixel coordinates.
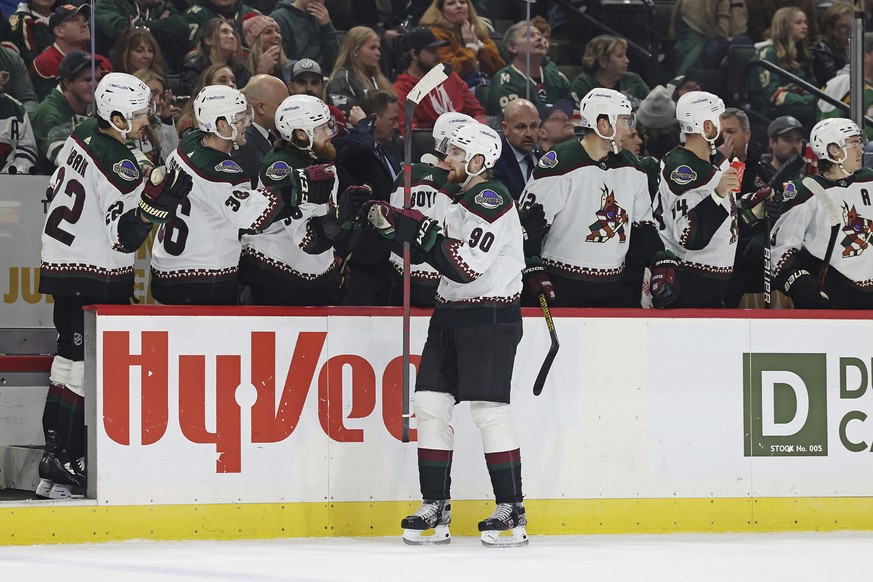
(253, 25)
(657, 110)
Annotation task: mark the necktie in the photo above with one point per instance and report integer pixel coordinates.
(529, 160)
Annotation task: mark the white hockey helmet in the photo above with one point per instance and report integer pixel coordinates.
(477, 139)
(606, 102)
(124, 94)
(445, 125)
(216, 102)
(303, 112)
(697, 107)
(833, 131)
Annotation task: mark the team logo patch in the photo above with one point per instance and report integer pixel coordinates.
(228, 167)
(549, 160)
(611, 219)
(789, 192)
(278, 170)
(683, 175)
(488, 199)
(857, 231)
(126, 170)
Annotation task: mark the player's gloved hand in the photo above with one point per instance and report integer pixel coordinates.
(533, 227)
(537, 280)
(312, 184)
(350, 203)
(803, 290)
(163, 193)
(749, 205)
(404, 224)
(773, 207)
(664, 285)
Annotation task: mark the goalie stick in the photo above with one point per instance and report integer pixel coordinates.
(553, 348)
(833, 218)
(428, 83)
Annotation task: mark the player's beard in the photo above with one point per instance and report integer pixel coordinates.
(457, 176)
(324, 151)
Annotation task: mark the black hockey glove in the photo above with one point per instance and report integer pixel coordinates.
(350, 203)
(537, 280)
(773, 207)
(803, 290)
(163, 193)
(664, 285)
(404, 224)
(533, 228)
(312, 184)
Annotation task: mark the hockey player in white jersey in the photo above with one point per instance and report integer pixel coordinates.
(100, 213)
(831, 215)
(195, 258)
(17, 143)
(474, 331)
(596, 200)
(696, 205)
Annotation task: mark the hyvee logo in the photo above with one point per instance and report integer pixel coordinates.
(785, 405)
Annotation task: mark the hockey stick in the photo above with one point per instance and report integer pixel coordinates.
(553, 349)
(834, 219)
(788, 169)
(428, 83)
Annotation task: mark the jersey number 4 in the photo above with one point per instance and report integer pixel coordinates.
(75, 190)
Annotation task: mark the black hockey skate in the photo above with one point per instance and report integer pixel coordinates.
(506, 517)
(68, 476)
(433, 514)
(52, 447)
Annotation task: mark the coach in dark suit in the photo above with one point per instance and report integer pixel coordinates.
(264, 93)
(521, 123)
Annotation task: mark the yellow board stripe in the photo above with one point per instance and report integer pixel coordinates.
(79, 522)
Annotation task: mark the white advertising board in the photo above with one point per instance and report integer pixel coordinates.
(194, 407)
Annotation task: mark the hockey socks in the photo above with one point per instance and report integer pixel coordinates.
(50, 411)
(71, 423)
(505, 471)
(435, 473)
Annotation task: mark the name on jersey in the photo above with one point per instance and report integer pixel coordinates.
(77, 162)
(228, 167)
(488, 199)
(549, 160)
(278, 170)
(683, 175)
(127, 170)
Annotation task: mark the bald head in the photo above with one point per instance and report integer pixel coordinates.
(521, 120)
(265, 93)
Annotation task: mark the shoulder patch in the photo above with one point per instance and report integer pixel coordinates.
(13, 21)
(548, 160)
(228, 167)
(126, 170)
(790, 191)
(683, 175)
(277, 170)
(488, 199)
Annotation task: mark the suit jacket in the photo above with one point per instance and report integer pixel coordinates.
(509, 172)
(251, 156)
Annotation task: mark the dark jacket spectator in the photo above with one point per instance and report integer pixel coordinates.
(357, 71)
(29, 28)
(218, 44)
(18, 85)
(307, 31)
(161, 18)
(205, 10)
(604, 64)
(831, 53)
(760, 15)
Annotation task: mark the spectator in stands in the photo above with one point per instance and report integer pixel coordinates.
(70, 26)
(831, 53)
(556, 124)
(357, 71)
(839, 88)
(63, 109)
(217, 74)
(656, 122)
(604, 64)
(544, 85)
(264, 94)
(370, 156)
(18, 85)
(218, 44)
(29, 27)
(159, 138)
(420, 46)
(415, 10)
(266, 56)
(307, 31)
(520, 153)
(202, 11)
(761, 12)
(785, 137)
(160, 17)
(307, 79)
(787, 48)
(136, 49)
(470, 52)
(704, 29)
(17, 143)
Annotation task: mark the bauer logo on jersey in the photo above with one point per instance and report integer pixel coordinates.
(611, 219)
(683, 175)
(228, 167)
(278, 170)
(549, 160)
(488, 199)
(127, 170)
(789, 192)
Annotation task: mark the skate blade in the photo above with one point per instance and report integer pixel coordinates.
(414, 537)
(44, 489)
(66, 492)
(516, 537)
